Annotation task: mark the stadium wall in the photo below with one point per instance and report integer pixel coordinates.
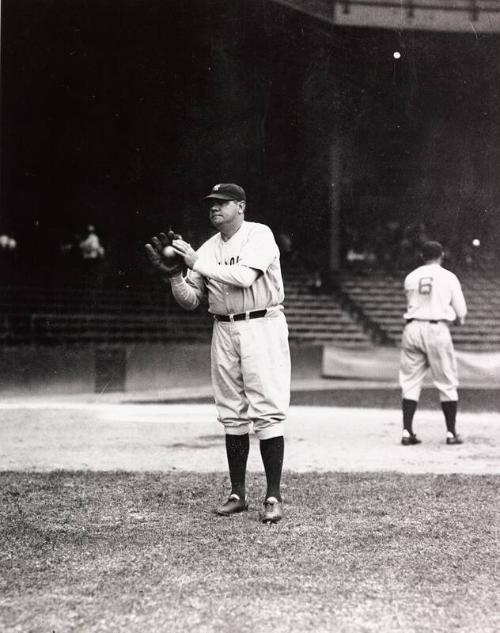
(36, 371)
(478, 369)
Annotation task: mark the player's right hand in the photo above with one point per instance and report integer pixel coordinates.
(171, 267)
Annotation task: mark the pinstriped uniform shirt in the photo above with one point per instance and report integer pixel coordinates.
(253, 245)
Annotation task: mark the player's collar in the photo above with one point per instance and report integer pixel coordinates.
(240, 231)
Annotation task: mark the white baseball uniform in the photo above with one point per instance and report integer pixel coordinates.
(250, 357)
(434, 298)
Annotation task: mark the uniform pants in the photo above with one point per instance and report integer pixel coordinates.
(428, 345)
(250, 364)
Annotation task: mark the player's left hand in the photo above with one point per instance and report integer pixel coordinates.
(186, 251)
(164, 265)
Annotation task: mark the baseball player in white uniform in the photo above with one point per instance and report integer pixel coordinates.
(238, 269)
(434, 299)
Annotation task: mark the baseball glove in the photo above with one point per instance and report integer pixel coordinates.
(162, 255)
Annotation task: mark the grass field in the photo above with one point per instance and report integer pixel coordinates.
(356, 553)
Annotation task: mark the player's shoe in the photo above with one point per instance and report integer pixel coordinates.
(273, 511)
(232, 505)
(453, 439)
(409, 439)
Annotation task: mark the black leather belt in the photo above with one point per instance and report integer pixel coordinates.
(424, 320)
(256, 314)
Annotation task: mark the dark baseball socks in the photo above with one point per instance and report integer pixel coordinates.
(450, 415)
(409, 408)
(237, 448)
(272, 452)
(449, 410)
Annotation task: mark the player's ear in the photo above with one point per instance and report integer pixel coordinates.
(241, 205)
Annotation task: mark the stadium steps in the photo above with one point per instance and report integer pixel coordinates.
(53, 316)
(72, 315)
(381, 300)
(319, 318)
(55, 328)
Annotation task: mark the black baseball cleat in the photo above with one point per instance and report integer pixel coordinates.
(410, 440)
(232, 505)
(454, 439)
(273, 511)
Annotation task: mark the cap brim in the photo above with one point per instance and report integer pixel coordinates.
(219, 196)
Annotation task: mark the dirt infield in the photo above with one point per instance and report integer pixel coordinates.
(51, 435)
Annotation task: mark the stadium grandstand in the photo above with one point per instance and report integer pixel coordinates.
(356, 309)
(358, 128)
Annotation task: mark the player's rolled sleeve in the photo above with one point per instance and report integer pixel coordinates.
(196, 281)
(260, 249)
(188, 291)
(186, 295)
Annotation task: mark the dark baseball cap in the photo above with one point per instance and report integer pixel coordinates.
(226, 191)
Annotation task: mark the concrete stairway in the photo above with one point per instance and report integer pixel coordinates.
(381, 299)
(54, 316)
(318, 318)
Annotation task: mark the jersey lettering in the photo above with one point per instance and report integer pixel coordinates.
(231, 262)
(425, 285)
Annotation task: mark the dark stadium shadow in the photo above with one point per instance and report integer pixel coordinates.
(471, 400)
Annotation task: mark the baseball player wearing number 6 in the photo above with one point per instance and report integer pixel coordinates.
(434, 299)
(238, 269)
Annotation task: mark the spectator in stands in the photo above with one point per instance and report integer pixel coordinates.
(8, 244)
(8, 250)
(361, 258)
(92, 253)
(384, 245)
(420, 236)
(285, 244)
(406, 255)
(355, 257)
(316, 283)
(410, 245)
(90, 246)
(4, 242)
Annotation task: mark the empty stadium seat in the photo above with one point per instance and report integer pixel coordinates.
(58, 316)
(380, 298)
